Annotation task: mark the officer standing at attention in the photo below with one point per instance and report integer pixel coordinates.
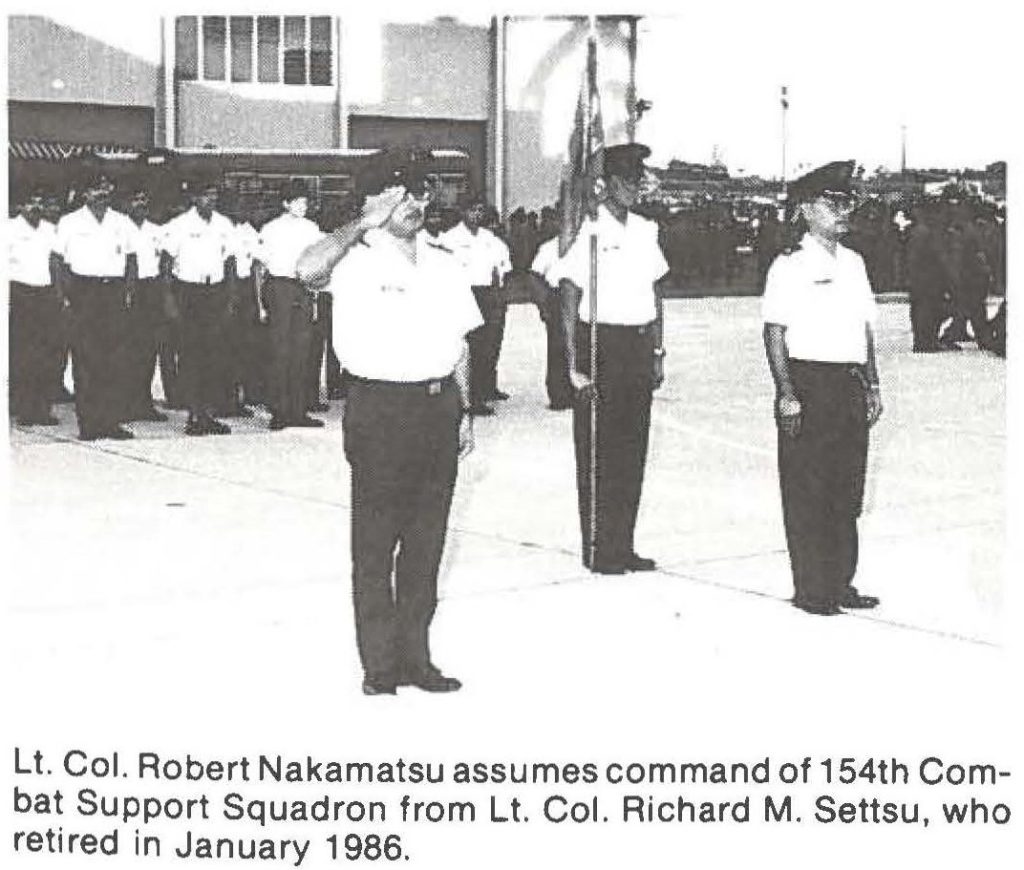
(486, 260)
(94, 243)
(404, 309)
(819, 312)
(289, 307)
(35, 308)
(200, 247)
(147, 308)
(630, 357)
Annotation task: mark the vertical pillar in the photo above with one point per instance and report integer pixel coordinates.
(340, 138)
(498, 109)
(168, 135)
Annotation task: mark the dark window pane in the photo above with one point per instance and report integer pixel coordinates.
(294, 50)
(186, 47)
(320, 59)
(268, 42)
(241, 49)
(214, 32)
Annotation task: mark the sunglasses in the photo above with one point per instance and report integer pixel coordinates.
(838, 199)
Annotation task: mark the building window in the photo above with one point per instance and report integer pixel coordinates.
(293, 49)
(269, 39)
(214, 51)
(241, 49)
(186, 55)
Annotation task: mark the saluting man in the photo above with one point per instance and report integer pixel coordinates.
(486, 261)
(819, 313)
(94, 243)
(289, 307)
(630, 358)
(404, 308)
(200, 245)
(35, 308)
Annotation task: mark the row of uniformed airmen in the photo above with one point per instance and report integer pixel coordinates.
(183, 294)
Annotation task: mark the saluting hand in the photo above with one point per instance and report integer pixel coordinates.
(379, 207)
(788, 411)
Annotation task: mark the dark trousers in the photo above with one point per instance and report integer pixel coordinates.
(821, 474)
(485, 343)
(319, 341)
(556, 378)
(290, 310)
(624, 388)
(99, 345)
(401, 441)
(168, 349)
(926, 313)
(34, 339)
(239, 362)
(201, 366)
(144, 319)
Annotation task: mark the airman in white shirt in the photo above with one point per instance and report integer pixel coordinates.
(201, 246)
(819, 314)
(403, 309)
(34, 311)
(290, 309)
(486, 261)
(94, 244)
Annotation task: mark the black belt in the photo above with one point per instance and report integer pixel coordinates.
(98, 279)
(631, 329)
(432, 387)
(207, 283)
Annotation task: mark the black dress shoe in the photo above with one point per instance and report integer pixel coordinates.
(602, 566)
(277, 424)
(306, 422)
(429, 679)
(378, 685)
(498, 396)
(118, 434)
(481, 410)
(215, 427)
(89, 435)
(817, 608)
(640, 563)
(44, 420)
(318, 408)
(853, 600)
(195, 427)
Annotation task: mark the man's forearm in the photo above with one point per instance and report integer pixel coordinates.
(871, 367)
(318, 260)
(569, 295)
(778, 358)
(462, 376)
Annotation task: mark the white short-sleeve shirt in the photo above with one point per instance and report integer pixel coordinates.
(824, 301)
(395, 320)
(148, 242)
(247, 245)
(629, 261)
(29, 250)
(92, 248)
(282, 242)
(200, 248)
(480, 254)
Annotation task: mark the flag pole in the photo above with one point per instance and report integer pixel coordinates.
(594, 397)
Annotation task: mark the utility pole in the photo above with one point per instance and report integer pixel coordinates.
(784, 102)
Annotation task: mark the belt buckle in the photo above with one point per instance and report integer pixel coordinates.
(434, 388)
